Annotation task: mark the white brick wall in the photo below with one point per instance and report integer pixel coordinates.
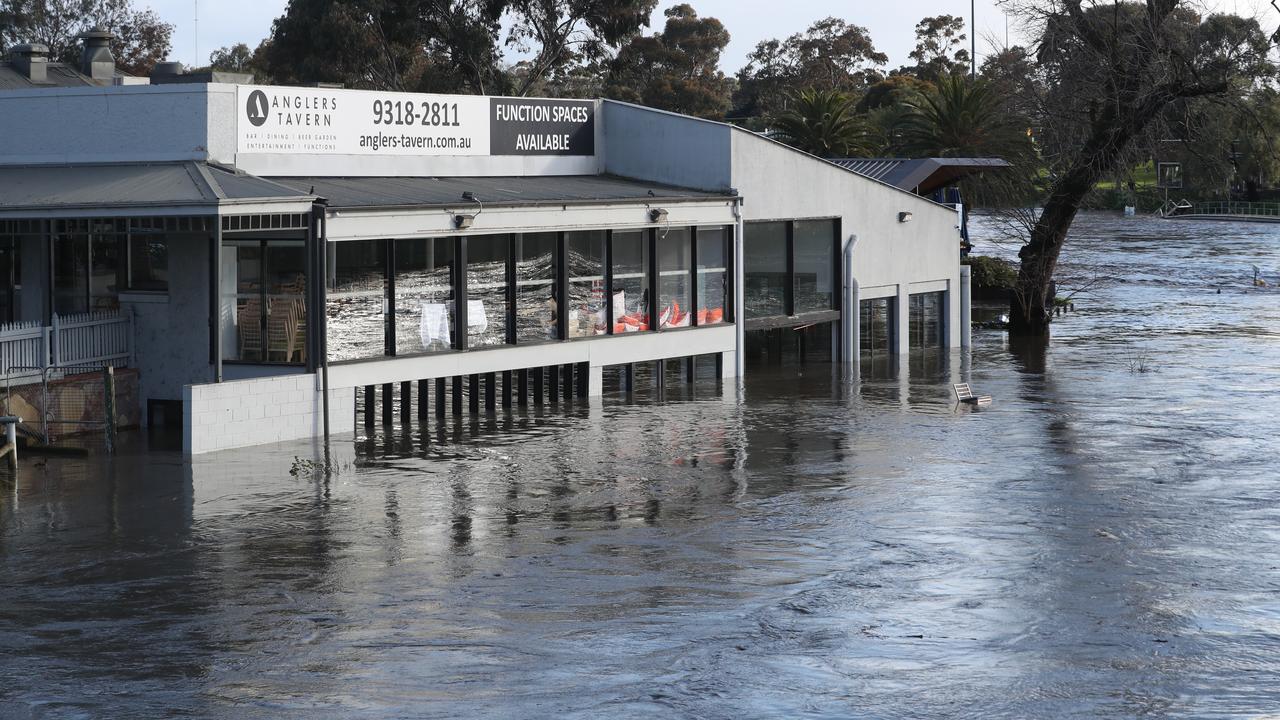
(260, 411)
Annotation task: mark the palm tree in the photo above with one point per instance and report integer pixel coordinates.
(823, 123)
(962, 118)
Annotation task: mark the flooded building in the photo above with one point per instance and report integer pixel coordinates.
(262, 255)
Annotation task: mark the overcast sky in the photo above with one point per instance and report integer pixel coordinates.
(891, 22)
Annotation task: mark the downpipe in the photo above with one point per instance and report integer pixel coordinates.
(849, 316)
(739, 294)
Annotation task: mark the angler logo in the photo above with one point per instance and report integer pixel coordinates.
(256, 108)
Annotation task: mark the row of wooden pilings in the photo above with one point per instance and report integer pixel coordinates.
(539, 386)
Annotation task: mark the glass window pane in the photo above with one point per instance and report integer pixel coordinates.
(356, 299)
(814, 242)
(104, 276)
(586, 283)
(70, 274)
(243, 334)
(674, 291)
(630, 281)
(149, 262)
(424, 295)
(765, 269)
(926, 326)
(536, 300)
(7, 266)
(712, 275)
(284, 272)
(875, 330)
(487, 257)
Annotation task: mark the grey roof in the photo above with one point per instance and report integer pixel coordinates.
(922, 175)
(355, 192)
(58, 75)
(60, 187)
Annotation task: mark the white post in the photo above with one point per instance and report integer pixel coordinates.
(902, 322)
(11, 438)
(55, 344)
(966, 307)
(739, 294)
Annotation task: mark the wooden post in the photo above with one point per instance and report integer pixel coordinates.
(537, 386)
(440, 398)
(10, 447)
(109, 387)
(553, 380)
(690, 368)
(387, 404)
(506, 388)
(473, 397)
(490, 392)
(629, 378)
(456, 382)
(522, 387)
(406, 401)
(584, 377)
(424, 390)
(369, 402)
(567, 371)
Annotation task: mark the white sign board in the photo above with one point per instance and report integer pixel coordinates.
(319, 121)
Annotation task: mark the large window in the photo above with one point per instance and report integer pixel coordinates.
(926, 326)
(264, 301)
(94, 260)
(587, 311)
(487, 257)
(875, 330)
(357, 299)
(537, 307)
(765, 269)
(148, 268)
(630, 281)
(674, 278)
(424, 277)
(713, 275)
(8, 278)
(814, 260)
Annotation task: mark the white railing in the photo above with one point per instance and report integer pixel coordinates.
(73, 343)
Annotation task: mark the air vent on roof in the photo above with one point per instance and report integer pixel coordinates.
(32, 60)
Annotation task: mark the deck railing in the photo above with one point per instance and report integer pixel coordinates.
(1245, 209)
(72, 343)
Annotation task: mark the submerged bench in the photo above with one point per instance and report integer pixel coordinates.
(10, 446)
(965, 395)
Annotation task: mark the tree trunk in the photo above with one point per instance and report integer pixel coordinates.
(1031, 308)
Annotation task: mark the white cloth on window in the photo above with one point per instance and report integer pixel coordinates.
(477, 321)
(619, 305)
(435, 324)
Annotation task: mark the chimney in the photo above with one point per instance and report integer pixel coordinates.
(95, 59)
(32, 60)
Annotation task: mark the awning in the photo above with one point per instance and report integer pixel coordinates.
(115, 190)
(921, 176)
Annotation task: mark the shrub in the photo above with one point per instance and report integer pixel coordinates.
(991, 276)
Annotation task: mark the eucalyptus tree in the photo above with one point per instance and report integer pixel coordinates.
(677, 69)
(1109, 71)
(142, 39)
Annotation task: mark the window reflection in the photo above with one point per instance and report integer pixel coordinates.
(424, 295)
(356, 301)
(630, 281)
(712, 275)
(674, 291)
(487, 257)
(586, 283)
(926, 326)
(814, 250)
(264, 301)
(875, 330)
(765, 271)
(536, 301)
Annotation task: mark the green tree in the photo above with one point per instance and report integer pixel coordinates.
(963, 118)
(141, 41)
(566, 38)
(830, 55)
(1111, 72)
(235, 58)
(823, 123)
(677, 69)
(939, 49)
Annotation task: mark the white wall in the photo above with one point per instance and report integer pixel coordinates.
(778, 183)
(261, 411)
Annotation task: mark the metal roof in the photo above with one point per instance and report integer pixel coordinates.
(57, 187)
(922, 175)
(357, 192)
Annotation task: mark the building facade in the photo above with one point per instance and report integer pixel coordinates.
(280, 250)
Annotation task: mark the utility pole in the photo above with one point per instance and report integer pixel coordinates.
(196, 33)
(973, 39)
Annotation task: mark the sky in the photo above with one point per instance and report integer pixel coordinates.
(891, 22)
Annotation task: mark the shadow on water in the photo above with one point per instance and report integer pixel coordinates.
(1099, 542)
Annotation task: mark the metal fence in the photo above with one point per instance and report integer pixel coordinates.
(1245, 209)
(84, 342)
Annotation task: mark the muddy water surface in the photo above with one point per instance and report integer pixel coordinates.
(1100, 542)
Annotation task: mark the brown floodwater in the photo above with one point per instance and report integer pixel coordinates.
(1100, 542)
